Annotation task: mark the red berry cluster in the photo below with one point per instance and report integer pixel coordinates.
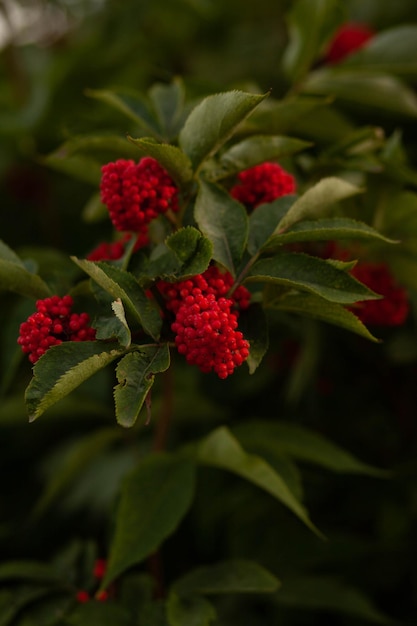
(348, 39)
(206, 322)
(262, 183)
(52, 324)
(136, 193)
(112, 251)
(82, 596)
(393, 309)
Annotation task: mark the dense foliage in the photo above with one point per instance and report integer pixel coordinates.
(208, 277)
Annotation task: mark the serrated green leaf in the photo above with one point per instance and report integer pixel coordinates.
(63, 368)
(114, 327)
(212, 122)
(325, 229)
(192, 249)
(258, 149)
(317, 200)
(121, 284)
(221, 449)
(329, 594)
(135, 374)
(264, 220)
(174, 160)
(153, 501)
(310, 305)
(233, 576)
(15, 277)
(224, 222)
(311, 274)
(253, 325)
(189, 611)
(310, 24)
(382, 93)
(131, 104)
(303, 444)
(393, 51)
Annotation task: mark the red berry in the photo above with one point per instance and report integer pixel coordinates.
(82, 596)
(349, 38)
(262, 183)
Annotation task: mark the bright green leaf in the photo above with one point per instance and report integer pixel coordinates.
(234, 576)
(189, 611)
(221, 449)
(135, 375)
(212, 122)
(317, 200)
(224, 222)
(153, 501)
(174, 160)
(63, 368)
(311, 274)
(121, 284)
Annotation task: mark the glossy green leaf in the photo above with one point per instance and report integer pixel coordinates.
(174, 160)
(135, 375)
(392, 51)
(326, 229)
(131, 104)
(310, 305)
(329, 594)
(224, 222)
(121, 284)
(234, 576)
(264, 221)
(213, 121)
(303, 444)
(153, 501)
(253, 324)
(310, 24)
(189, 611)
(63, 368)
(382, 93)
(258, 149)
(15, 277)
(311, 274)
(221, 449)
(317, 201)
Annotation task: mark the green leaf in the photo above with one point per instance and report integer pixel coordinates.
(99, 613)
(234, 576)
(153, 501)
(329, 594)
(78, 166)
(264, 220)
(114, 327)
(382, 93)
(135, 374)
(284, 116)
(212, 122)
(15, 277)
(176, 163)
(131, 104)
(253, 325)
(168, 102)
(63, 368)
(34, 571)
(392, 51)
(313, 306)
(317, 200)
(121, 284)
(221, 449)
(189, 611)
(192, 249)
(224, 222)
(311, 274)
(258, 149)
(303, 444)
(310, 24)
(325, 229)
(79, 457)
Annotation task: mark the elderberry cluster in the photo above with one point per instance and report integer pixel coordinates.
(52, 324)
(206, 321)
(262, 183)
(136, 193)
